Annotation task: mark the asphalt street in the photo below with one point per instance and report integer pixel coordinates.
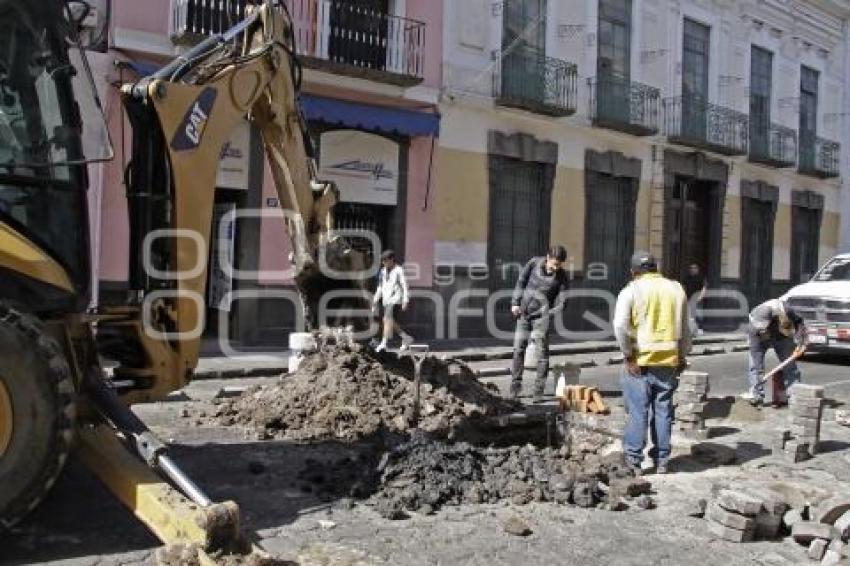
(81, 524)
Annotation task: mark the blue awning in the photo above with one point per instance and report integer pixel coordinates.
(369, 117)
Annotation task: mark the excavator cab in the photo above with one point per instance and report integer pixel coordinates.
(45, 89)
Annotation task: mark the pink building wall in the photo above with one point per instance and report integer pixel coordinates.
(430, 12)
(275, 246)
(107, 203)
(419, 238)
(110, 230)
(142, 15)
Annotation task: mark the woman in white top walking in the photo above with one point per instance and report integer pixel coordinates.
(390, 296)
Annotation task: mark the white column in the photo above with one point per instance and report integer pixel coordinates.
(844, 219)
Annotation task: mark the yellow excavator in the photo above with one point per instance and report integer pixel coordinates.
(54, 395)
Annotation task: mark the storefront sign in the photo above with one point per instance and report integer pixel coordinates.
(234, 159)
(363, 165)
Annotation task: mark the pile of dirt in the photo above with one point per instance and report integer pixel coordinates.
(347, 392)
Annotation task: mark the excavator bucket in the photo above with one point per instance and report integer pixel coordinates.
(193, 534)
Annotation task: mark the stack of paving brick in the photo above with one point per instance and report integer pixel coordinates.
(691, 399)
(582, 399)
(738, 517)
(801, 441)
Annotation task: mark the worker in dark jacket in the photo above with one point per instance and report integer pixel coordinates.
(541, 281)
(773, 324)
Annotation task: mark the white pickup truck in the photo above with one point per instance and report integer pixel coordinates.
(824, 303)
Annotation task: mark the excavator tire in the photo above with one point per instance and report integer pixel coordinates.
(37, 413)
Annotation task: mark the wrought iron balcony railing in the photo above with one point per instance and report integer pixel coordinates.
(818, 157)
(194, 20)
(529, 80)
(691, 121)
(334, 35)
(624, 105)
(774, 145)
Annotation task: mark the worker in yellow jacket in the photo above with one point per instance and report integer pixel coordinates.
(653, 332)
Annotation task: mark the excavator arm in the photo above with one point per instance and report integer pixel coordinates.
(181, 117)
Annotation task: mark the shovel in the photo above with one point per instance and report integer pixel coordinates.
(795, 355)
(418, 353)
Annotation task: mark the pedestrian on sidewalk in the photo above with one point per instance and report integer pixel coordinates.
(695, 285)
(653, 332)
(539, 284)
(773, 324)
(390, 298)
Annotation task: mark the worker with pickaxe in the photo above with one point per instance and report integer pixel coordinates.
(774, 324)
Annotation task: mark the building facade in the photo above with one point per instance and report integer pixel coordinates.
(704, 131)
(371, 78)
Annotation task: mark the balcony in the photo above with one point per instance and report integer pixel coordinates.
(623, 105)
(775, 146)
(693, 122)
(529, 80)
(818, 157)
(330, 35)
(194, 20)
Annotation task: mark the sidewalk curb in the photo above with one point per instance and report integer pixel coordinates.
(504, 354)
(498, 371)
(270, 371)
(560, 349)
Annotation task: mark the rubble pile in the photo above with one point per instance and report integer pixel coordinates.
(424, 474)
(690, 399)
(347, 392)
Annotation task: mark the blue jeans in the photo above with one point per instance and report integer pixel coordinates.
(784, 347)
(649, 394)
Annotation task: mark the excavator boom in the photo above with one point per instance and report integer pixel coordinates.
(181, 116)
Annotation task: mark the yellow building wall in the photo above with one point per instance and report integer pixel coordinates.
(782, 243)
(461, 200)
(567, 223)
(829, 234)
(461, 196)
(731, 238)
(643, 216)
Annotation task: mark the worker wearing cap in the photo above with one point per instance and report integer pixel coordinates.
(539, 284)
(652, 329)
(773, 324)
